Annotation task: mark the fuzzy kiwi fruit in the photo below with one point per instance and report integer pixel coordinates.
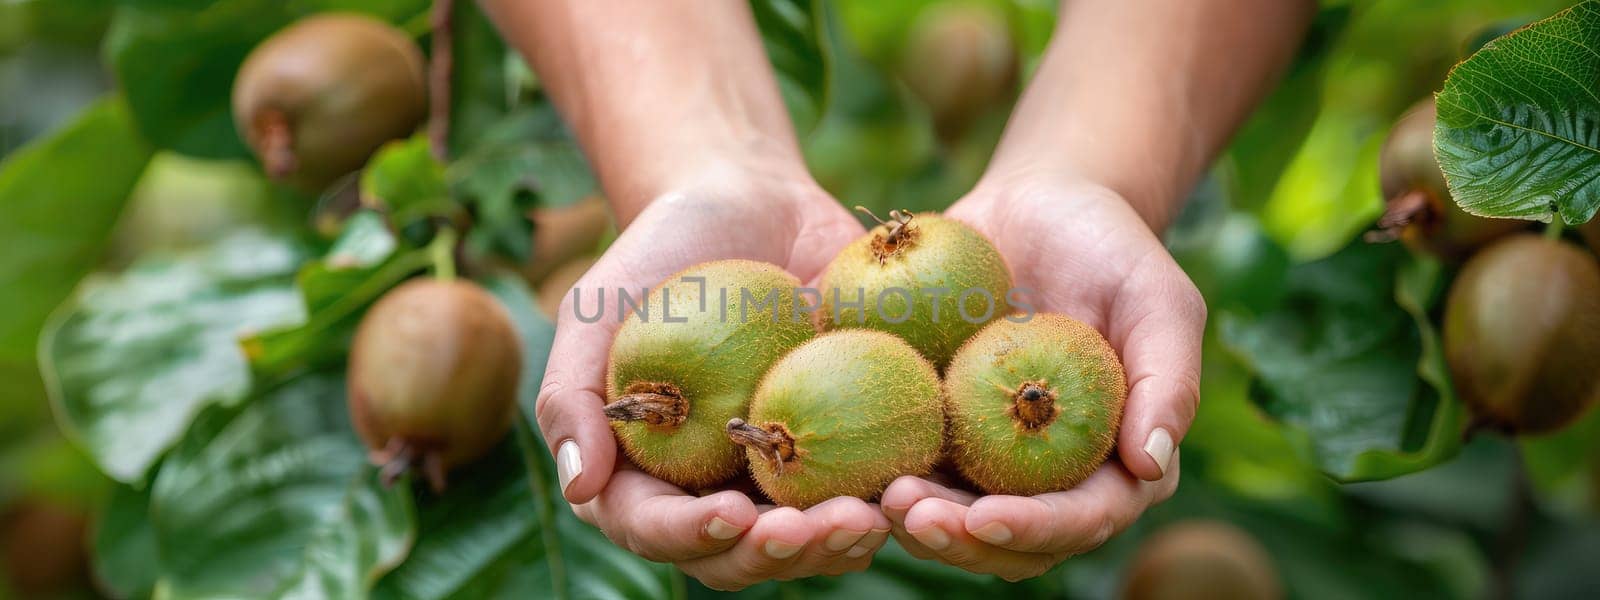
(1201, 560)
(842, 415)
(43, 546)
(1034, 406)
(316, 99)
(432, 377)
(691, 360)
(1522, 334)
(932, 281)
(1420, 211)
(960, 59)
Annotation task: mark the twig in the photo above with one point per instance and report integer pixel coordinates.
(439, 76)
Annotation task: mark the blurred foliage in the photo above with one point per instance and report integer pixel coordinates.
(195, 350)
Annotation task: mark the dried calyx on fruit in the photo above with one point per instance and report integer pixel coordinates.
(1522, 334)
(1201, 559)
(316, 99)
(842, 415)
(690, 360)
(932, 281)
(433, 376)
(1033, 406)
(1420, 211)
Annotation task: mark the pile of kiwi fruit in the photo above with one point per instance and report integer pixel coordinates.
(877, 380)
(1521, 322)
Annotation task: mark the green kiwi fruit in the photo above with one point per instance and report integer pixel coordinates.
(691, 360)
(1201, 560)
(842, 415)
(1034, 406)
(932, 281)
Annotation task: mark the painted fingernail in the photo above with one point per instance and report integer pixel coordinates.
(1159, 447)
(780, 550)
(933, 537)
(569, 464)
(722, 530)
(841, 539)
(994, 533)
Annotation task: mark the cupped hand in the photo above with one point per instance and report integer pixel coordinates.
(724, 539)
(1082, 250)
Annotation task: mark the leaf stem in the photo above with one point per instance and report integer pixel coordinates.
(442, 252)
(1554, 229)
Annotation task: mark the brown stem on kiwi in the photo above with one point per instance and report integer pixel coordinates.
(899, 233)
(399, 457)
(659, 404)
(1034, 406)
(1414, 207)
(275, 135)
(773, 442)
(439, 72)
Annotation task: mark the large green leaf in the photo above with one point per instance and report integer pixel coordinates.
(1340, 360)
(124, 544)
(59, 198)
(277, 501)
(793, 33)
(133, 357)
(528, 157)
(176, 61)
(1519, 122)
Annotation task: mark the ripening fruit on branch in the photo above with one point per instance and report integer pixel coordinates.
(1522, 334)
(1034, 406)
(959, 58)
(932, 281)
(433, 376)
(843, 415)
(1420, 211)
(673, 385)
(316, 99)
(1201, 559)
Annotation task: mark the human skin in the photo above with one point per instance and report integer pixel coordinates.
(680, 116)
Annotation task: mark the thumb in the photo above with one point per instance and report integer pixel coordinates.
(571, 399)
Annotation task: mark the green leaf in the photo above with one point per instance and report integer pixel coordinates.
(277, 501)
(792, 31)
(1340, 361)
(480, 94)
(405, 179)
(133, 357)
(60, 197)
(124, 544)
(1519, 122)
(527, 156)
(176, 62)
(362, 265)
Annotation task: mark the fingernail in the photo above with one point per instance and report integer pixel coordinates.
(933, 537)
(569, 464)
(858, 551)
(841, 539)
(993, 533)
(1159, 447)
(721, 529)
(780, 550)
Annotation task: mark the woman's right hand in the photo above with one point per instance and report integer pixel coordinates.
(725, 539)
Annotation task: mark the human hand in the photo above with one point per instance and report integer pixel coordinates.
(1082, 251)
(746, 210)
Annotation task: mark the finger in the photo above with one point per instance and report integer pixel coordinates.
(939, 525)
(820, 240)
(840, 524)
(775, 543)
(659, 522)
(1070, 522)
(1159, 337)
(869, 544)
(571, 398)
(905, 492)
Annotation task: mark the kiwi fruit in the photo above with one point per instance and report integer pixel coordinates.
(1420, 211)
(932, 281)
(555, 286)
(1034, 406)
(960, 60)
(690, 360)
(432, 377)
(842, 415)
(564, 234)
(1522, 334)
(316, 99)
(43, 544)
(1201, 560)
